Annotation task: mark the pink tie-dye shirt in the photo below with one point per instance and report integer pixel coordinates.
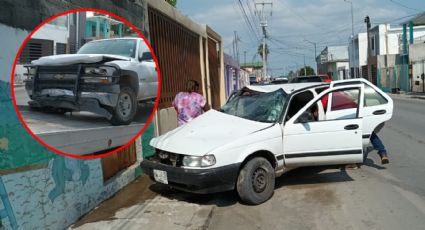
(188, 106)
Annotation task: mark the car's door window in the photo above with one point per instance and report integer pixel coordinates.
(344, 105)
(372, 97)
(298, 102)
(142, 49)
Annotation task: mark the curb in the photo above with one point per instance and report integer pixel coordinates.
(404, 96)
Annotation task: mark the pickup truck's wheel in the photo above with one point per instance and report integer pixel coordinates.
(256, 181)
(126, 107)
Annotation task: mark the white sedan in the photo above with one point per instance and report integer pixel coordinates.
(263, 131)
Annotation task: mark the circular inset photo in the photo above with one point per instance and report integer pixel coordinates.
(85, 83)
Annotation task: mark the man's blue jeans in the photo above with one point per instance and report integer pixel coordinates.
(377, 144)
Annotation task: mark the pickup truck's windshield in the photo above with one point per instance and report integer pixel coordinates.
(256, 106)
(123, 47)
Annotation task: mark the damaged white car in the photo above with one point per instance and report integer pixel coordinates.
(107, 77)
(263, 131)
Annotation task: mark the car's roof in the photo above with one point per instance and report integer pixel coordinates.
(288, 88)
(311, 76)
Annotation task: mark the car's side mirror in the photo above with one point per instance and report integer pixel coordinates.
(304, 118)
(146, 56)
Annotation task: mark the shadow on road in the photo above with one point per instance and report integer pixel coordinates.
(218, 199)
(369, 162)
(313, 175)
(300, 176)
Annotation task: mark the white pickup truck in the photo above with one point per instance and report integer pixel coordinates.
(107, 77)
(263, 131)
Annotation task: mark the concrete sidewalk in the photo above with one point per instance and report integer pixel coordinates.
(409, 95)
(139, 206)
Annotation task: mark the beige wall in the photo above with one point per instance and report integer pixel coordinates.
(166, 119)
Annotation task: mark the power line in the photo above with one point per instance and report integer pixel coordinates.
(301, 17)
(252, 15)
(245, 17)
(404, 6)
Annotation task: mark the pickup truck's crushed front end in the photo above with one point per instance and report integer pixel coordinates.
(168, 168)
(78, 87)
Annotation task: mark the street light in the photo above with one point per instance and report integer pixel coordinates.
(315, 54)
(352, 34)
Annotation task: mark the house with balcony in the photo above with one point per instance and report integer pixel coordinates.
(333, 61)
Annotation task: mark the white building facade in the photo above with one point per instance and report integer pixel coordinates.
(334, 62)
(383, 66)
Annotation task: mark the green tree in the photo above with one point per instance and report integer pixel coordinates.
(172, 2)
(309, 71)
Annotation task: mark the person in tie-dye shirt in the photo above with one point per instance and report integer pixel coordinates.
(189, 104)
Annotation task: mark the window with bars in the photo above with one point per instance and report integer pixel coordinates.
(60, 48)
(34, 49)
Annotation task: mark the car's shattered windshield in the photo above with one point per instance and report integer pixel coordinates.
(256, 106)
(123, 47)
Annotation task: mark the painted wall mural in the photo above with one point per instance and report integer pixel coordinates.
(56, 196)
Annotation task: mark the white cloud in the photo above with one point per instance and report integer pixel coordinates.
(322, 21)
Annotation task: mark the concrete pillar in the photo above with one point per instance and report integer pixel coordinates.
(120, 30)
(410, 32)
(105, 29)
(237, 73)
(227, 76)
(97, 35)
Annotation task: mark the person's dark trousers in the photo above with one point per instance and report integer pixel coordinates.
(377, 144)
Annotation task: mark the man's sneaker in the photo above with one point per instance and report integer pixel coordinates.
(384, 159)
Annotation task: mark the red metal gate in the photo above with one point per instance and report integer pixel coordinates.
(178, 52)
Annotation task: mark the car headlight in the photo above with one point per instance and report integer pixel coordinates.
(103, 70)
(199, 161)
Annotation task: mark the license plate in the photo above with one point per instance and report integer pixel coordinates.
(160, 176)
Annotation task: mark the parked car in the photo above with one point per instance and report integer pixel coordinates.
(264, 131)
(107, 77)
(278, 81)
(325, 78)
(313, 78)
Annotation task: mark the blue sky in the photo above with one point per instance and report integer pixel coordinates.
(325, 22)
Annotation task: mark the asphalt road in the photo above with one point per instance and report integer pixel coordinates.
(372, 197)
(21, 96)
(142, 115)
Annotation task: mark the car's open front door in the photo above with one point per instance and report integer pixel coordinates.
(311, 138)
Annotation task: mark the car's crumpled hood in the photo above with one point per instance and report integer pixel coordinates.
(69, 59)
(205, 133)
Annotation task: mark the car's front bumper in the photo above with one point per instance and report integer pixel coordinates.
(92, 100)
(201, 181)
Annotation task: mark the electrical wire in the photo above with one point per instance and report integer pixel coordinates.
(245, 17)
(404, 6)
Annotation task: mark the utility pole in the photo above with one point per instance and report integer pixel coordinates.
(236, 46)
(244, 59)
(315, 53)
(352, 39)
(305, 68)
(367, 21)
(263, 23)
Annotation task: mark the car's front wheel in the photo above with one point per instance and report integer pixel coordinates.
(256, 181)
(125, 110)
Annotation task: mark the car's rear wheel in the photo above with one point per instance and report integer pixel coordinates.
(256, 181)
(125, 110)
